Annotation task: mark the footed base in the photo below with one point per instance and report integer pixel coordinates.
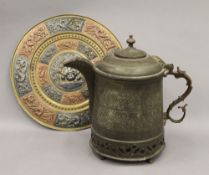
(143, 150)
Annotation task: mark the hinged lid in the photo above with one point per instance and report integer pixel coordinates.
(130, 51)
(130, 63)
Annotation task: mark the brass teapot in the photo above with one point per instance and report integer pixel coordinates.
(126, 103)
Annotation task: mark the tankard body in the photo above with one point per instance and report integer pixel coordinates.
(127, 118)
(126, 103)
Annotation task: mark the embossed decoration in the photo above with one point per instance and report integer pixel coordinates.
(127, 150)
(48, 54)
(52, 94)
(65, 24)
(21, 77)
(32, 40)
(64, 78)
(87, 51)
(43, 113)
(100, 34)
(70, 120)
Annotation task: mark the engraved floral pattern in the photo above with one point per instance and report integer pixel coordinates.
(73, 98)
(42, 74)
(32, 40)
(100, 35)
(66, 45)
(38, 109)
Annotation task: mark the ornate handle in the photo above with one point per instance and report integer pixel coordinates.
(178, 74)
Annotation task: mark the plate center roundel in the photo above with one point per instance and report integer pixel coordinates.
(53, 95)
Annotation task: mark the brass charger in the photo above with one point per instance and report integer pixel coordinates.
(50, 93)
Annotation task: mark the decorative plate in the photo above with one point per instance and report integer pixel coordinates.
(53, 95)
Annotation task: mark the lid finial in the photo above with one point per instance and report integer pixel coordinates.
(130, 41)
(130, 52)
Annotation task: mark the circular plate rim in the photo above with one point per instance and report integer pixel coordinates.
(13, 84)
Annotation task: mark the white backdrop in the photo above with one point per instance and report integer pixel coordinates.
(177, 31)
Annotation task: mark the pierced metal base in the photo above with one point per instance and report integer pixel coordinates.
(135, 151)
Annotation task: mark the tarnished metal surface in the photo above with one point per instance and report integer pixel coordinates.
(140, 150)
(54, 95)
(135, 107)
(178, 74)
(127, 103)
(130, 113)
